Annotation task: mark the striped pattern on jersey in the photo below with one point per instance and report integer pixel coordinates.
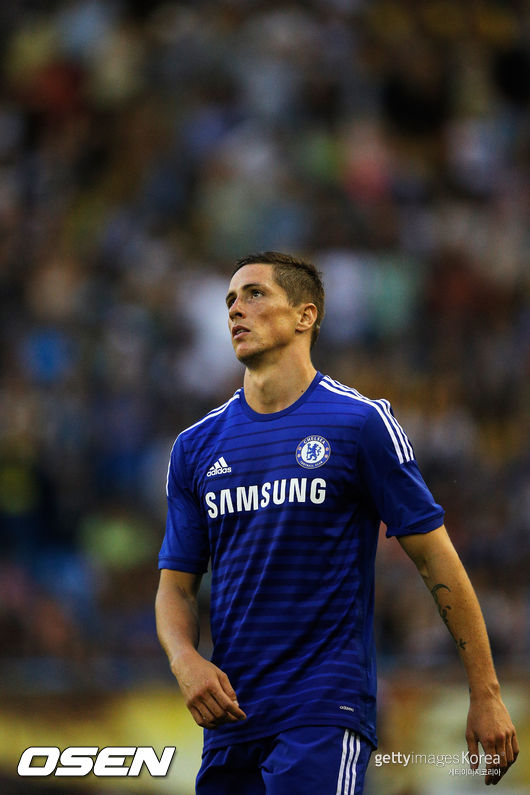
(292, 550)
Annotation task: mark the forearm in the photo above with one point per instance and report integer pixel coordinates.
(207, 690)
(488, 722)
(460, 611)
(177, 623)
(446, 579)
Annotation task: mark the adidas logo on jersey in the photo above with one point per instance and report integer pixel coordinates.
(219, 468)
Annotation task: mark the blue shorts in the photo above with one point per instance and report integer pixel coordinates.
(319, 760)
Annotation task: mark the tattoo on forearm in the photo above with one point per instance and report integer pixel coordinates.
(444, 610)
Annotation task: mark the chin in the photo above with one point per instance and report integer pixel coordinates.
(247, 357)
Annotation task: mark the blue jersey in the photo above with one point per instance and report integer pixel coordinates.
(287, 507)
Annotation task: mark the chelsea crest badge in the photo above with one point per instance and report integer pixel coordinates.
(313, 452)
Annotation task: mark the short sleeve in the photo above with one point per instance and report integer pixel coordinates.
(185, 546)
(390, 474)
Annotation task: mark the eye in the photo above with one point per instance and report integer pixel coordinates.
(256, 291)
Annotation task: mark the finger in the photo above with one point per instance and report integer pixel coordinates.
(510, 758)
(501, 753)
(212, 710)
(203, 717)
(228, 698)
(501, 761)
(494, 777)
(225, 711)
(508, 754)
(234, 710)
(230, 709)
(224, 681)
(488, 744)
(229, 691)
(217, 708)
(472, 747)
(213, 704)
(197, 716)
(496, 771)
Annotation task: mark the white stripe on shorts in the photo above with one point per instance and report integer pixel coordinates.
(351, 747)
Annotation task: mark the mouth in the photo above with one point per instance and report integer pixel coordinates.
(238, 331)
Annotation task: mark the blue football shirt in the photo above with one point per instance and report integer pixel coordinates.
(286, 506)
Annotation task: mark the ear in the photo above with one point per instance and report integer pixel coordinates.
(307, 317)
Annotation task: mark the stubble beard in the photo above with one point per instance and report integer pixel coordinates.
(254, 358)
(251, 359)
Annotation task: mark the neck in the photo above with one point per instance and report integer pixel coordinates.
(273, 388)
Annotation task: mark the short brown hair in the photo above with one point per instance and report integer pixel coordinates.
(300, 279)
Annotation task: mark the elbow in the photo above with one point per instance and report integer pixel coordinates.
(424, 572)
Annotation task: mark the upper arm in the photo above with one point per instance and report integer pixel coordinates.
(183, 582)
(391, 478)
(186, 543)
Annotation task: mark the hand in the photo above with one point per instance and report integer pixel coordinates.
(489, 723)
(207, 691)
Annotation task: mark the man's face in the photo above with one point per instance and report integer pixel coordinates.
(260, 318)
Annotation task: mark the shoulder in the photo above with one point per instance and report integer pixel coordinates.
(191, 442)
(376, 418)
(336, 392)
(210, 422)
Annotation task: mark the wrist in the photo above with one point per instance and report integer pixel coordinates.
(182, 658)
(482, 690)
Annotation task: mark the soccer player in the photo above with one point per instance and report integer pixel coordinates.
(282, 489)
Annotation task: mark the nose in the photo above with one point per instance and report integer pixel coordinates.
(235, 309)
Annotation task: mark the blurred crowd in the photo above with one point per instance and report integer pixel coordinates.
(146, 145)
